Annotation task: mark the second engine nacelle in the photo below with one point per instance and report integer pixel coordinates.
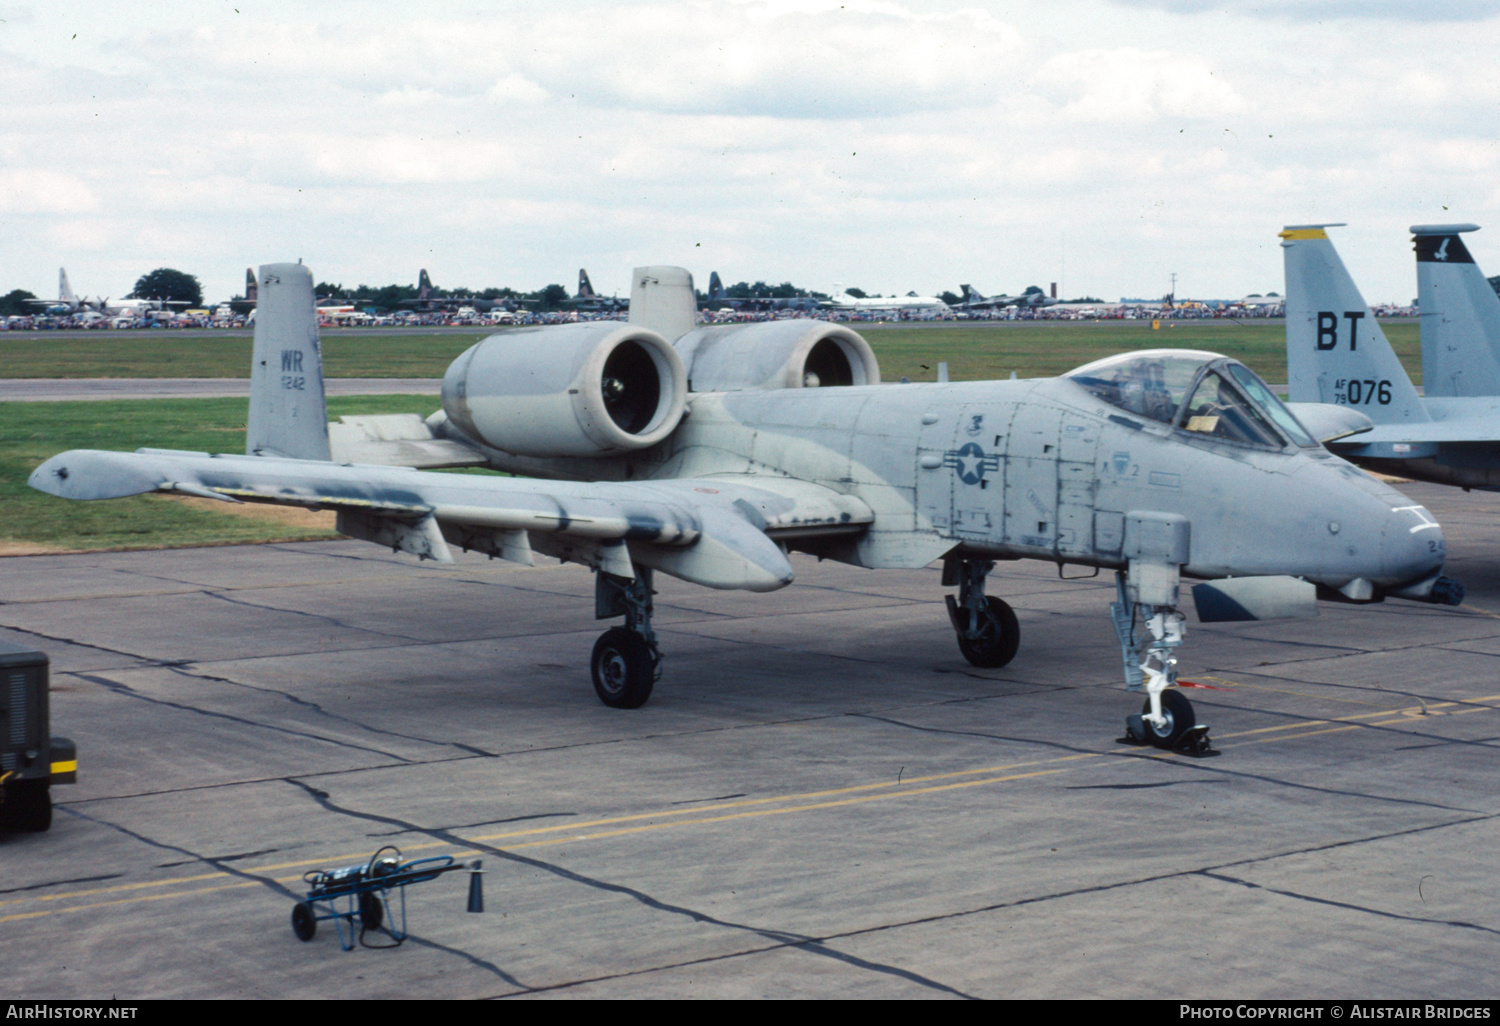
(589, 389)
(776, 354)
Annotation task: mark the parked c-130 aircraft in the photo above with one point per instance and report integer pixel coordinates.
(713, 456)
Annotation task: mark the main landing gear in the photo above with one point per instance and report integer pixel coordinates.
(988, 634)
(626, 663)
(1149, 634)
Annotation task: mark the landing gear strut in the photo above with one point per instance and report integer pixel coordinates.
(988, 634)
(626, 663)
(1149, 654)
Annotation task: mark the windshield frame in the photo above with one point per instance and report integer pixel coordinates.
(1230, 367)
(1224, 367)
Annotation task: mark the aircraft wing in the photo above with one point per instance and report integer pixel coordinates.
(713, 531)
(1438, 432)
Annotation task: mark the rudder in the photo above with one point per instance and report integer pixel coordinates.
(288, 414)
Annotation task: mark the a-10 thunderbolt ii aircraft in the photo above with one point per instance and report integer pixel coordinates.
(1338, 356)
(711, 457)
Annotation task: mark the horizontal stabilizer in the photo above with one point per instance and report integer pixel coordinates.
(397, 440)
(1329, 423)
(1465, 420)
(1255, 598)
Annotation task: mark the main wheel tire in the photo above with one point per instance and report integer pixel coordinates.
(304, 923)
(371, 911)
(28, 805)
(1178, 712)
(624, 668)
(999, 636)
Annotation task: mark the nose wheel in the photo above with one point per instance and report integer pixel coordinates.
(1149, 636)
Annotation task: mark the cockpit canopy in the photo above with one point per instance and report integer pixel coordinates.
(1204, 393)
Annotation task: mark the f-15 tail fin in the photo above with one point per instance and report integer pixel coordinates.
(1460, 315)
(288, 416)
(1335, 352)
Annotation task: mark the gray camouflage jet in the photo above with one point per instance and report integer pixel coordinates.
(1032, 299)
(1338, 356)
(711, 453)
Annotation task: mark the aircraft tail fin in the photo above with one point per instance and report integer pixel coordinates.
(662, 300)
(424, 285)
(1335, 351)
(971, 294)
(1460, 315)
(288, 415)
(716, 287)
(585, 287)
(251, 286)
(64, 290)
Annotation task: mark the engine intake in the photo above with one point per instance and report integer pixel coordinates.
(590, 389)
(776, 354)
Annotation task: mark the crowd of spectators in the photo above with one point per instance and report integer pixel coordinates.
(345, 318)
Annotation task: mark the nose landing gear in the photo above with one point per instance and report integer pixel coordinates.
(1167, 720)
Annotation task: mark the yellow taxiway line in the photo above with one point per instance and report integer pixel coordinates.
(779, 805)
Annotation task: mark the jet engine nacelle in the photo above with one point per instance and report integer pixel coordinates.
(776, 354)
(589, 389)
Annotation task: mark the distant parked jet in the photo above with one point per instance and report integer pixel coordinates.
(973, 299)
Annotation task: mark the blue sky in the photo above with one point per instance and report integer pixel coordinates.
(893, 146)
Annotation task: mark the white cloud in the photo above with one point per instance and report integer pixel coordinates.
(893, 145)
(1130, 86)
(1326, 10)
(39, 191)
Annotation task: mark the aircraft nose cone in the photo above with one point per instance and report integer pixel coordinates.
(1414, 546)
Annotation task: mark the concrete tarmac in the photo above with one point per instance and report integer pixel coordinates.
(821, 799)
